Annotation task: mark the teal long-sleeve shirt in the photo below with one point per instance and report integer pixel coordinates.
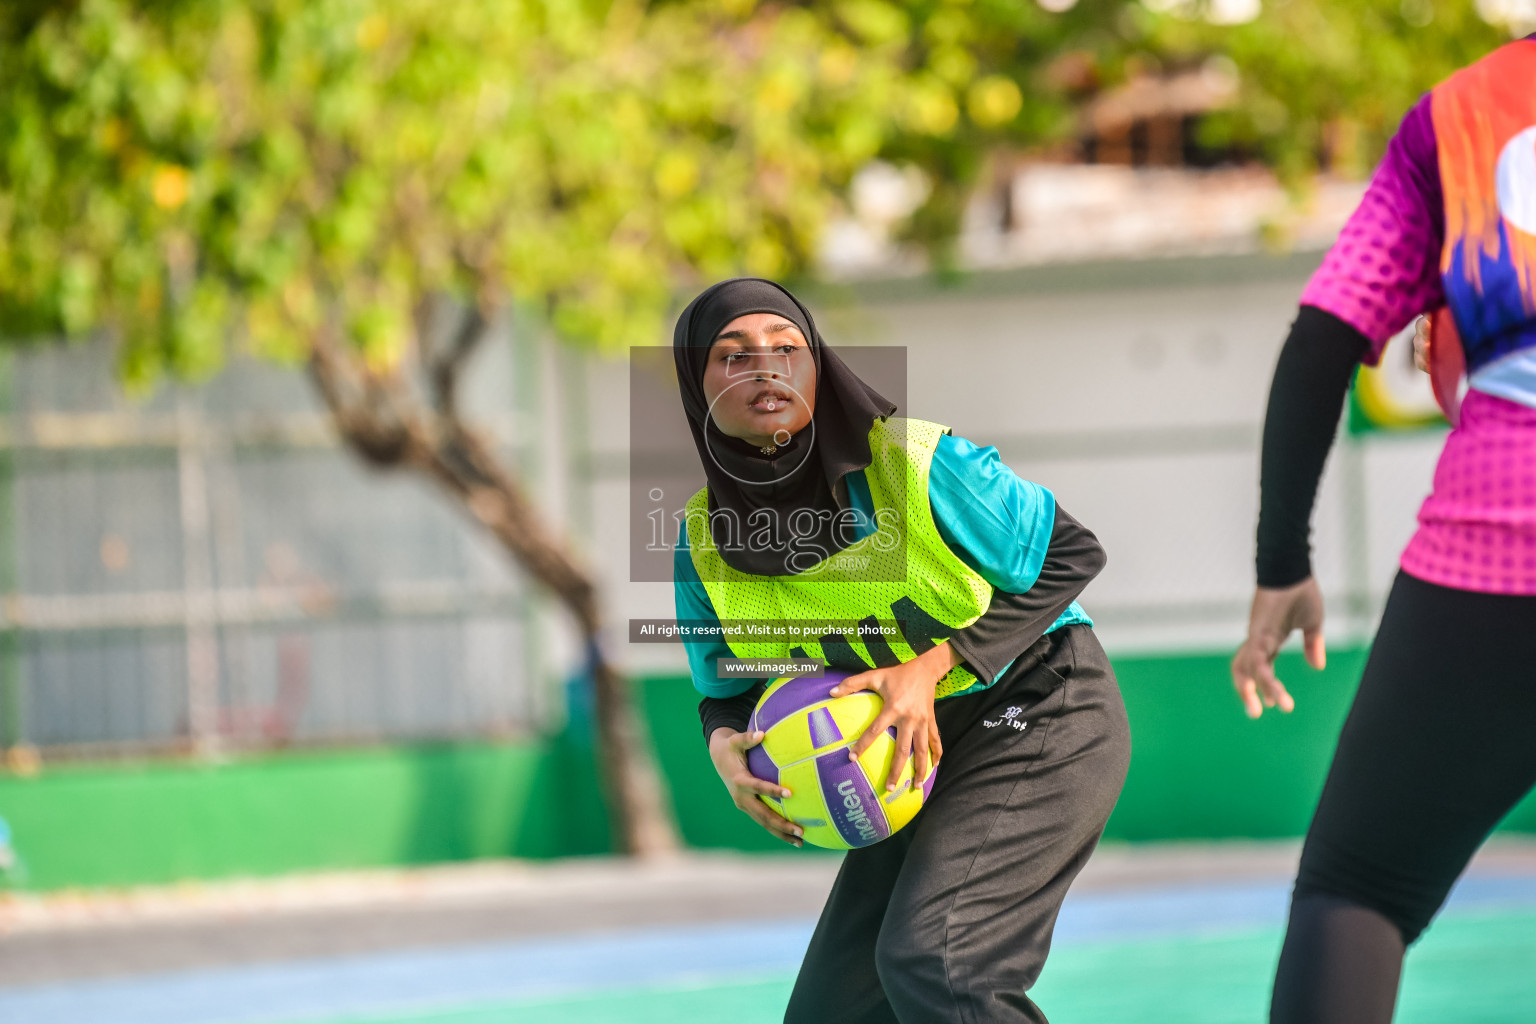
(994, 522)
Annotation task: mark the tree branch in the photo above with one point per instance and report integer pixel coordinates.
(359, 405)
(446, 366)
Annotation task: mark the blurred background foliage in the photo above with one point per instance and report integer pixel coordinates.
(316, 181)
(193, 174)
(1325, 84)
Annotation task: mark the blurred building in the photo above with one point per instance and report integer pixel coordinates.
(1136, 181)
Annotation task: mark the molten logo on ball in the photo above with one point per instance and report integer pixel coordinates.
(856, 816)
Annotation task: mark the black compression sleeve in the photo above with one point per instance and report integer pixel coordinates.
(1311, 379)
(733, 712)
(1013, 622)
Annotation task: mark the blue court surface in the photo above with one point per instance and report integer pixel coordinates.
(1188, 953)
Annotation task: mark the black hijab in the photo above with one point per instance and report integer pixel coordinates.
(804, 473)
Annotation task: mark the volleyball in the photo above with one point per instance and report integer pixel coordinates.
(841, 804)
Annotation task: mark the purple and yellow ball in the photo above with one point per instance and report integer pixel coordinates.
(841, 804)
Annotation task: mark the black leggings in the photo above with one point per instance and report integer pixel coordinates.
(949, 920)
(1436, 750)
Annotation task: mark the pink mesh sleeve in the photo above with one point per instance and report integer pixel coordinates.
(1385, 267)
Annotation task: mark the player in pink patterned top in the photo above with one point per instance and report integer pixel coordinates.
(1436, 749)
(1385, 267)
(1477, 529)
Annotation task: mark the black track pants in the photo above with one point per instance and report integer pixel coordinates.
(950, 919)
(1436, 749)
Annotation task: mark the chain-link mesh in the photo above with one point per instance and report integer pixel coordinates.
(208, 568)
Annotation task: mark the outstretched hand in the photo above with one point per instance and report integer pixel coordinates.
(1276, 612)
(907, 691)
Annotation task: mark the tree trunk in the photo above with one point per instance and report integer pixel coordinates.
(388, 426)
(637, 792)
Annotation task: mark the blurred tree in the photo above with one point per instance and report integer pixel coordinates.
(1325, 84)
(322, 181)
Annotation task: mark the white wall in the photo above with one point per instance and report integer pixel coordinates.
(1136, 395)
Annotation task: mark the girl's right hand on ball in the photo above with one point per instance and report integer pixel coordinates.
(728, 750)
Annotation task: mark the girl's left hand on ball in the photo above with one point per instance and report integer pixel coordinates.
(907, 691)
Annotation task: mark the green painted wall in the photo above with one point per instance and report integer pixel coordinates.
(1199, 769)
(1202, 769)
(122, 824)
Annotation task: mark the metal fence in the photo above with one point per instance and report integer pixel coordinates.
(206, 568)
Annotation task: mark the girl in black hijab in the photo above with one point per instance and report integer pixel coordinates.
(950, 918)
(803, 472)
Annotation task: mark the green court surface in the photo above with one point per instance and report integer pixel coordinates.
(1471, 968)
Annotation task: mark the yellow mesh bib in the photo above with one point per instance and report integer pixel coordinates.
(903, 573)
